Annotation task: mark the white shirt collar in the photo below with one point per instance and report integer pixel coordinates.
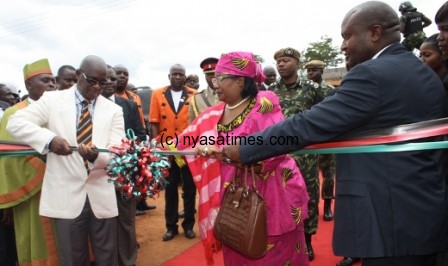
(378, 54)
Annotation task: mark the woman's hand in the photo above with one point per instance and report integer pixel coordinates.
(215, 153)
(209, 151)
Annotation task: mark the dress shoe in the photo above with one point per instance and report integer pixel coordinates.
(347, 261)
(328, 215)
(139, 212)
(143, 206)
(182, 214)
(169, 235)
(190, 234)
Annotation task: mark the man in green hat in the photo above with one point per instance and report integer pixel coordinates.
(297, 96)
(21, 180)
(314, 71)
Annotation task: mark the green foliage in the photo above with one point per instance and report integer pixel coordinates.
(259, 58)
(323, 50)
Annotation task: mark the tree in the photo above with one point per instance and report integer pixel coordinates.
(323, 50)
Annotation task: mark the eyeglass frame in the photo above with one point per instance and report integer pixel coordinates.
(218, 79)
(93, 82)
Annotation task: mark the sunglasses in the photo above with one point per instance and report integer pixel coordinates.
(93, 82)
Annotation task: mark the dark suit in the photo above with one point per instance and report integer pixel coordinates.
(127, 240)
(131, 117)
(387, 204)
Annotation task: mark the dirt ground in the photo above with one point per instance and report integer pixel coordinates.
(150, 228)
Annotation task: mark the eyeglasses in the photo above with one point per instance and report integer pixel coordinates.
(218, 79)
(93, 82)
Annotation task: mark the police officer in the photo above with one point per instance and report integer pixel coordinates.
(296, 96)
(315, 70)
(206, 97)
(412, 23)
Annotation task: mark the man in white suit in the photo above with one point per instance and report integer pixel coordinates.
(75, 190)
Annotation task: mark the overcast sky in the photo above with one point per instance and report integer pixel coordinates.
(149, 36)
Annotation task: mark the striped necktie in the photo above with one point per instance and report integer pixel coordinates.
(84, 132)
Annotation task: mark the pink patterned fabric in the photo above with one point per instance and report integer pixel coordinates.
(240, 64)
(206, 175)
(283, 188)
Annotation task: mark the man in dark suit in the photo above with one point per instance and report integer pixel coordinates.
(127, 239)
(391, 208)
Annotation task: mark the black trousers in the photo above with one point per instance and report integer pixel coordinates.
(8, 251)
(424, 260)
(172, 198)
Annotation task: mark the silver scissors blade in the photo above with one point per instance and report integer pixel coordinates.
(170, 152)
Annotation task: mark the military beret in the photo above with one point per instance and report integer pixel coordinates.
(291, 52)
(36, 68)
(315, 64)
(209, 64)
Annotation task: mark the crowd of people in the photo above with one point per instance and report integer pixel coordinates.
(57, 207)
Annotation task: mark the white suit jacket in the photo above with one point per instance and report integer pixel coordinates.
(66, 182)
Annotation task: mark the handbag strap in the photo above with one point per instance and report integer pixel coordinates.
(244, 179)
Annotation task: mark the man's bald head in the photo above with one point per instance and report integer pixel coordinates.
(371, 13)
(367, 29)
(92, 76)
(92, 62)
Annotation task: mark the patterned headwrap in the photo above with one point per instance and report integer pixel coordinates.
(240, 64)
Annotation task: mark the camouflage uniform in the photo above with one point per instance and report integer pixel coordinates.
(413, 32)
(295, 99)
(414, 40)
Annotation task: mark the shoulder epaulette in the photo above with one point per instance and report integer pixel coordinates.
(312, 83)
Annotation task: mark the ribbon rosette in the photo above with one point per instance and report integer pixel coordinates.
(136, 172)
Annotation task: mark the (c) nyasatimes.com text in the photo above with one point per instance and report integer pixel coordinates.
(226, 140)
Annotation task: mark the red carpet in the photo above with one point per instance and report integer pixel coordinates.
(321, 241)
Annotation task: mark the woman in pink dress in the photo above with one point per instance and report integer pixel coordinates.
(245, 110)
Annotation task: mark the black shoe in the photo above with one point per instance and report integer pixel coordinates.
(310, 253)
(190, 234)
(143, 206)
(169, 235)
(139, 212)
(309, 248)
(328, 215)
(347, 261)
(182, 214)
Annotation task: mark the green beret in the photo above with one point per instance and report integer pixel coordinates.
(315, 64)
(291, 52)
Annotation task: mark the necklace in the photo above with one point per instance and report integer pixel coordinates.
(236, 105)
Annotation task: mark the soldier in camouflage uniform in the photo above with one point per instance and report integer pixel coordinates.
(297, 96)
(412, 23)
(314, 70)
